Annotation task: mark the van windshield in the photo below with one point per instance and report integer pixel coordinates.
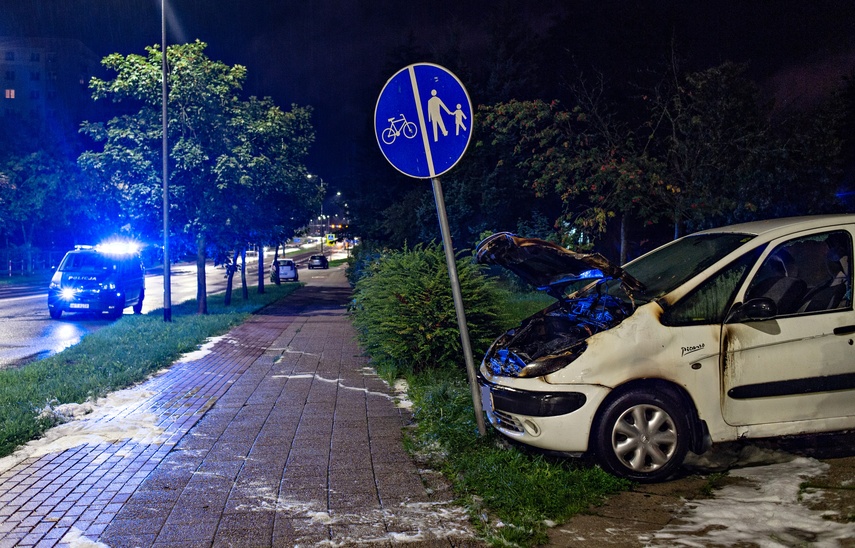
(670, 266)
(85, 262)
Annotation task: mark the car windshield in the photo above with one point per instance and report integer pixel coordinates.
(668, 267)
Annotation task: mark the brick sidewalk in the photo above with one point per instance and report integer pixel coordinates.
(278, 435)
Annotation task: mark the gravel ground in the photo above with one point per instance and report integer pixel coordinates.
(795, 492)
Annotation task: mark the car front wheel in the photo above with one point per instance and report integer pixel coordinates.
(642, 436)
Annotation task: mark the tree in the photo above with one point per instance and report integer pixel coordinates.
(39, 194)
(713, 135)
(584, 156)
(236, 171)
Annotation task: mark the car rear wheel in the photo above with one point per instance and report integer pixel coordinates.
(642, 436)
(138, 306)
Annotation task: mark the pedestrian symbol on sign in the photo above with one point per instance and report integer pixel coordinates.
(435, 116)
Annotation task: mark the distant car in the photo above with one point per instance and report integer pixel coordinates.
(97, 279)
(286, 270)
(739, 332)
(318, 261)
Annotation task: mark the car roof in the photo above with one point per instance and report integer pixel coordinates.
(785, 225)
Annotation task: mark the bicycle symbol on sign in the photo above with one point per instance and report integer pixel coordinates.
(397, 127)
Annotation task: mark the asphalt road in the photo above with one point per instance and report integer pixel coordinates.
(27, 333)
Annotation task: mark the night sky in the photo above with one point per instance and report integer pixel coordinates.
(335, 55)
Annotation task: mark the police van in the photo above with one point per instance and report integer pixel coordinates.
(100, 279)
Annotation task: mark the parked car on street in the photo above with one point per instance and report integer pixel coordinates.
(745, 331)
(100, 279)
(284, 270)
(318, 261)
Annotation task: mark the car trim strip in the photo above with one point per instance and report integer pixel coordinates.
(810, 385)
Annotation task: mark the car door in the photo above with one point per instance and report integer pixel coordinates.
(799, 364)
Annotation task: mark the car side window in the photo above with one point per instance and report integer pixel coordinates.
(709, 302)
(806, 275)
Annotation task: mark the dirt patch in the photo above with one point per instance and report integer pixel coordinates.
(809, 483)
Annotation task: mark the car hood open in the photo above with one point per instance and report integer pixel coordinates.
(546, 265)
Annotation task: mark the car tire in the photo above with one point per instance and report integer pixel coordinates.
(55, 313)
(642, 436)
(139, 305)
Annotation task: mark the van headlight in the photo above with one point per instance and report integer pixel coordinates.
(67, 294)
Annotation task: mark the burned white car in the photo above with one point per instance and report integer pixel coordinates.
(744, 331)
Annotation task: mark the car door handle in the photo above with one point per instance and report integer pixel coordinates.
(845, 330)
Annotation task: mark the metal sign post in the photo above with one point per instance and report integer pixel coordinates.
(410, 125)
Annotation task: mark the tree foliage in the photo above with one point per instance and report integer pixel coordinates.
(704, 150)
(236, 166)
(583, 156)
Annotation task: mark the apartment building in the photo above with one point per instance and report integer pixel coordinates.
(45, 80)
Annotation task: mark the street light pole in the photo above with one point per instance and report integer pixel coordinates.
(167, 289)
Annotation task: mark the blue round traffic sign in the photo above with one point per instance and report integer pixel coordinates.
(423, 120)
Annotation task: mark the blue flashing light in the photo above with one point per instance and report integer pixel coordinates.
(118, 247)
(593, 273)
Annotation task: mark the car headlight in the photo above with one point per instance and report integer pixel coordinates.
(546, 365)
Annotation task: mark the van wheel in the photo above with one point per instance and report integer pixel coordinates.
(138, 306)
(55, 313)
(118, 311)
(642, 436)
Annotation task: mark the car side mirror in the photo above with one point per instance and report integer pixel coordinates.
(755, 310)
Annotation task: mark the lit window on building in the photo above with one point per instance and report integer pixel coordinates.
(10, 94)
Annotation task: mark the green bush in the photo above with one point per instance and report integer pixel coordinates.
(360, 260)
(404, 310)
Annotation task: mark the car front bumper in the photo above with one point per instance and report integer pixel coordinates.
(558, 419)
(85, 301)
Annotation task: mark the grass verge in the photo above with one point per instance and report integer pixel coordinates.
(114, 357)
(513, 495)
